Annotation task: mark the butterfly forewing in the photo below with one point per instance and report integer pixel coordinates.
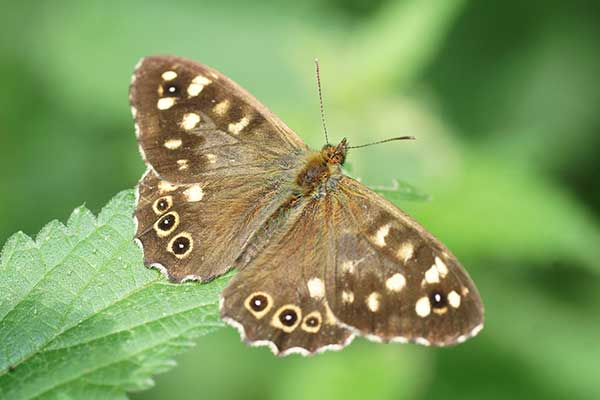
(191, 121)
(217, 156)
(394, 281)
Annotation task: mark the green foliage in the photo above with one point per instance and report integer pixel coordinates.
(81, 317)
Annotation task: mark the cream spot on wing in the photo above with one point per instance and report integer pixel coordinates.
(348, 266)
(432, 275)
(197, 85)
(454, 299)
(423, 307)
(373, 301)
(183, 164)
(137, 130)
(237, 127)
(464, 291)
(222, 107)
(347, 297)
(189, 121)
(169, 75)
(211, 158)
(194, 193)
(165, 103)
(441, 267)
(380, 235)
(406, 251)
(422, 341)
(476, 330)
(173, 144)
(164, 186)
(396, 282)
(133, 111)
(316, 288)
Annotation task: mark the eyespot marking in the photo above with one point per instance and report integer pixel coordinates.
(287, 318)
(259, 304)
(166, 224)
(312, 322)
(162, 204)
(181, 245)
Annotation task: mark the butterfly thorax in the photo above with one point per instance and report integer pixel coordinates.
(320, 166)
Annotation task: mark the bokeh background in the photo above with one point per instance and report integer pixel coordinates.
(503, 97)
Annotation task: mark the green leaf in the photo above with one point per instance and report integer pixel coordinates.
(400, 191)
(81, 315)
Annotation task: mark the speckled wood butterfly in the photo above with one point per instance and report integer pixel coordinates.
(321, 258)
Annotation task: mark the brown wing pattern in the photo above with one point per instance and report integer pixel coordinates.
(195, 231)
(394, 281)
(278, 298)
(192, 122)
(370, 269)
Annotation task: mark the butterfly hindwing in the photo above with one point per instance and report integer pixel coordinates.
(191, 121)
(278, 298)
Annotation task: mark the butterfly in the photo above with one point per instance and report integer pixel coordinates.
(321, 258)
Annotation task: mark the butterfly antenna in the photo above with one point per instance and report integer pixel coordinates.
(321, 100)
(384, 141)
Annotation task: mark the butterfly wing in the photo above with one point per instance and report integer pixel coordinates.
(394, 281)
(220, 164)
(196, 231)
(368, 268)
(192, 122)
(278, 297)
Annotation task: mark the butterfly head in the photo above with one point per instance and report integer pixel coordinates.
(335, 154)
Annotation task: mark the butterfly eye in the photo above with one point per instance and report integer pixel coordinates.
(181, 245)
(437, 299)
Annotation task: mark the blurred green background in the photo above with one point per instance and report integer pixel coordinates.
(503, 97)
